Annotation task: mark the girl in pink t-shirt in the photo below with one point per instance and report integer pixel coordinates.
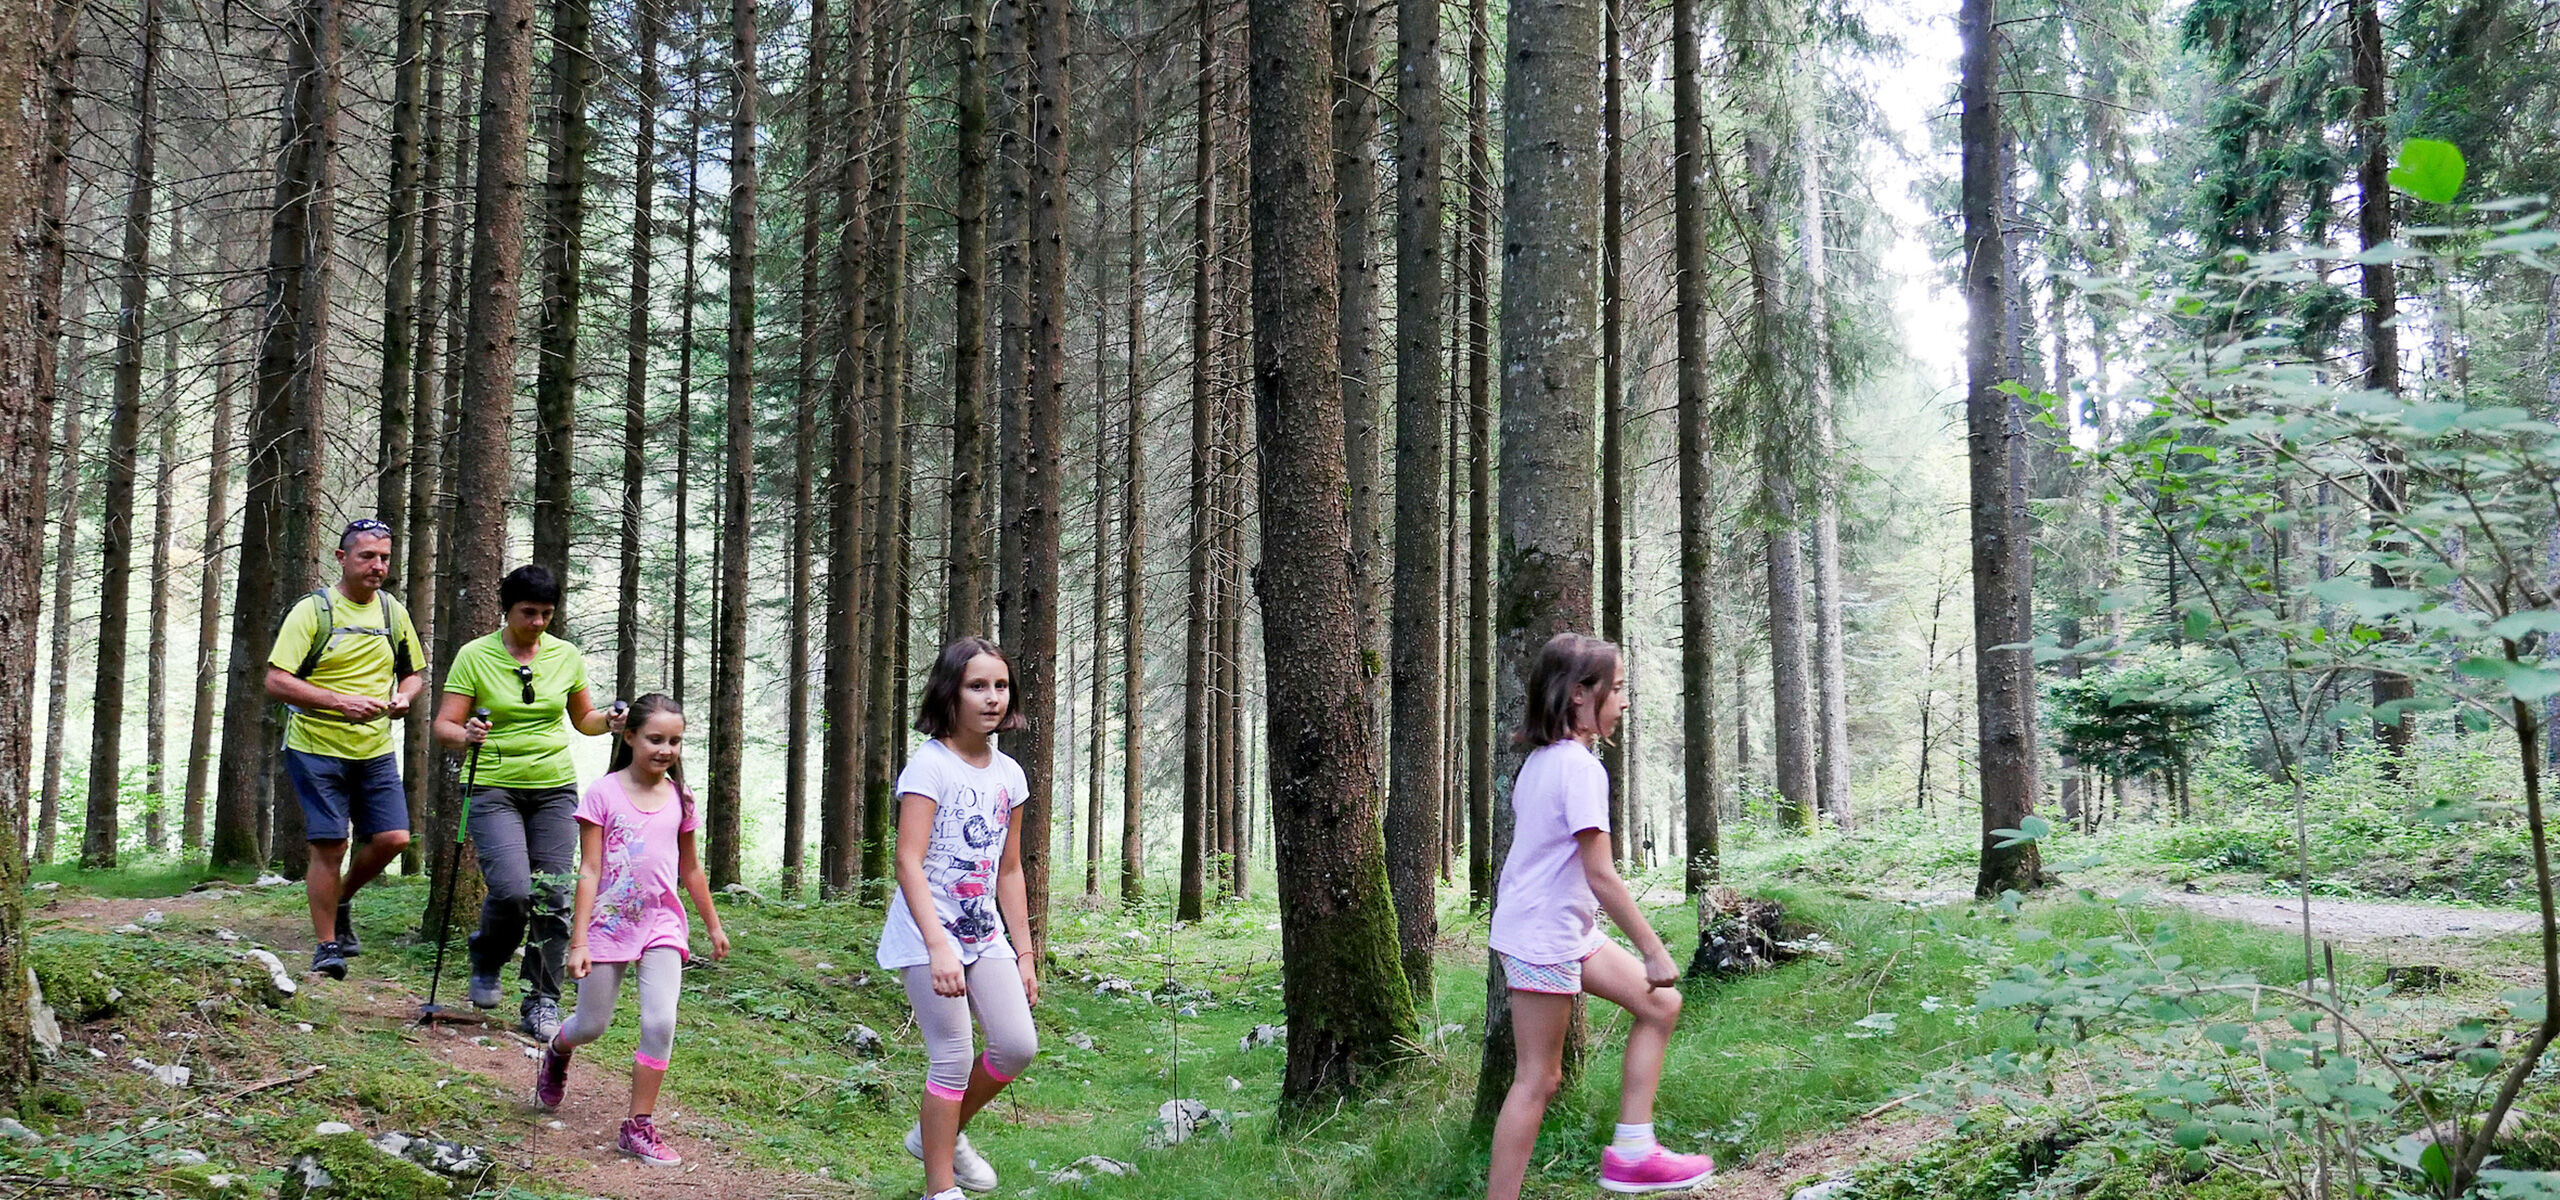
(636, 848)
(1550, 946)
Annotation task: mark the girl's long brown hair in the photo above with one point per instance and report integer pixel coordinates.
(938, 712)
(638, 715)
(1567, 661)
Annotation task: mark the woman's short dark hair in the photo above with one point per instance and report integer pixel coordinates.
(1567, 661)
(938, 713)
(531, 583)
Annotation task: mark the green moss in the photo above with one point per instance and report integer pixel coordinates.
(90, 977)
(361, 1172)
(214, 1183)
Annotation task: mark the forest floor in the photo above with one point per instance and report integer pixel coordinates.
(773, 1095)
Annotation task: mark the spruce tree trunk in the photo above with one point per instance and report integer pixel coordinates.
(1133, 516)
(1414, 844)
(26, 414)
(1702, 789)
(680, 635)
(1095, 718)
(1550, 310)
(1613, 374)
(1998, 677)
(564, 247)
(279, 540)
(1010, 45)
(888, 580)
(1831, 724)
(1480, 450)
(1355, 218)
(124, 442)
(1348, 1003)
(964, 602)
(815, 146)
(729, 679)
(164, 465)
(425, 444)
(1198, 807)
(2388, 494)
(1038, 460)
(66, 560)
(400, 310)
(840, 800)
(650, 96)
(1790, 718)
(209, 547)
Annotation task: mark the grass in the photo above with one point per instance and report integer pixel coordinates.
(765, 1058)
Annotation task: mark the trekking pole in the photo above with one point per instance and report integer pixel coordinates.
(428, 1012)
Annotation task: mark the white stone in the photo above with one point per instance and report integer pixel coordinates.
(12, 1130)
(325, 1128)
(153, 917)
(225, 935)
(1234, 1084)
(1081, 1041)
(48, 1032)
(186, 1158)
(826, 966)
(269, 881)
(277, 977)
(1825, 1190)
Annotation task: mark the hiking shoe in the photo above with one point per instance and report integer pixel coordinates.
(640, 1141)
(349, 945)
(551, 1077)
(1657, 1171)
(541, 1018)
(328, 960)
(484, 991)
(969, 1168)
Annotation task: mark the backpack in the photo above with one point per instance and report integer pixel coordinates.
(400, 632)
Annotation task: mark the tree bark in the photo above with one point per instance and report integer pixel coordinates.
(649, 22)
(1347, 999)
(815, 146)
(279, 537)
(26, 413)
(1198, 807)
(1037, 460)
(1480, 449)
(680, 635)
(1998, 674)
(1413, 800)
(564, 247)
(1133, 515)
(124, 440)
(1613, 237)
(66, 560)
(1355, 216)
(840, 799)
(164, 465)
(2389, 493)
(729, 678)
(56, 54)
(209, 593)
(1550, 310)
(1702, 789)
(419, 551)
(965, 589)
(1831, 724)
(400, 310)
(888, 578)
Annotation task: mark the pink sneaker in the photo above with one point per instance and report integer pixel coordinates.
(640, 1141)
(551, 1077)
(1658, 1171)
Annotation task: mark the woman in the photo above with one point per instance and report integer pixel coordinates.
(523, 813)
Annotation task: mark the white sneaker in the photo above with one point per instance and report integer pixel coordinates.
(969, 1169)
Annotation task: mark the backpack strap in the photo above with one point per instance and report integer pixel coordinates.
(396, 626)
(323, 631)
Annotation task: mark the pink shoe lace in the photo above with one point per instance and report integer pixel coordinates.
(1657, 1171)
(640, 1140)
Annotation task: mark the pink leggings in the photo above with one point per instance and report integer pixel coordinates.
(995, 991)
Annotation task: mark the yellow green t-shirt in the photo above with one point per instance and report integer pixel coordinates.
(358, 662)
(528, 744)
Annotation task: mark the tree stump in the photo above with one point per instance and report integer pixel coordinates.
(1737, 935)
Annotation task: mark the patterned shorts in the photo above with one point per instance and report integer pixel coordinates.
(1553, 979)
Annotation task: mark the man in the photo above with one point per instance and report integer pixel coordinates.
(348, 662)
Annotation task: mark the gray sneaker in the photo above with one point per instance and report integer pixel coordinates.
(327, 960)
(969, 1169)
(485, 992)
(541, 1019)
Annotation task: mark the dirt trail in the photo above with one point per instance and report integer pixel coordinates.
(579, 1156)
(2332, 920)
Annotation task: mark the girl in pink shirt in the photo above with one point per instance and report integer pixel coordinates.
(636, 847)
(1548, 942)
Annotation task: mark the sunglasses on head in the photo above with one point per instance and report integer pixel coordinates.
(366, 525)
(525, 673)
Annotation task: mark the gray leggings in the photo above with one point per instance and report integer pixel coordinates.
(995, 991)
(661, 972)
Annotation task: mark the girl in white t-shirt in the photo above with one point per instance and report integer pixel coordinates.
(1548, 942)
(960, 860)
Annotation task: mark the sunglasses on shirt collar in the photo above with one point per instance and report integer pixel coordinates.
(524, 672)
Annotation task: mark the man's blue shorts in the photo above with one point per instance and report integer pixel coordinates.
(334, 789)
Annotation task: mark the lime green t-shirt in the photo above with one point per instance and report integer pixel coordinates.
(528, 744)
(358, 662)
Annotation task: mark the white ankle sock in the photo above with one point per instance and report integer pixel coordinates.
(1634, 1139)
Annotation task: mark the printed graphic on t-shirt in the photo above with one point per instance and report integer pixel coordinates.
(620, 906)
(962, 862)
